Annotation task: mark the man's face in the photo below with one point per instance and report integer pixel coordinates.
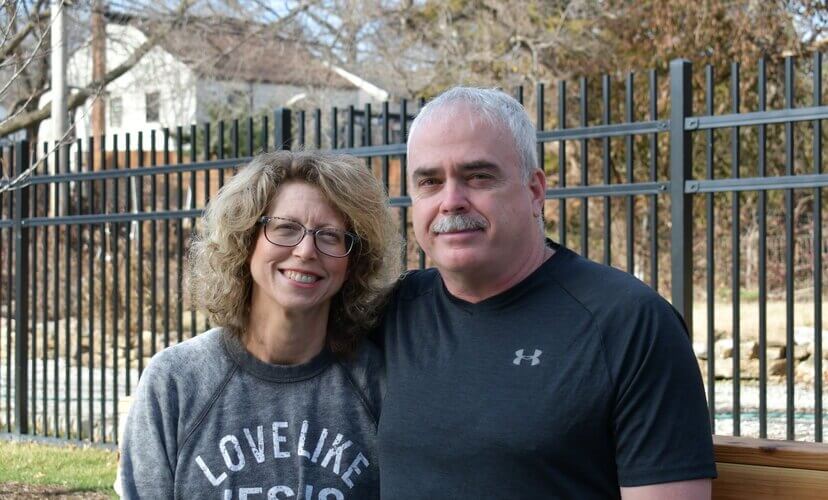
(473, 213)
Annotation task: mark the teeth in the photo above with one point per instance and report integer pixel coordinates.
(300, 277)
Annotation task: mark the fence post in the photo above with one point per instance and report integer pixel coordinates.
(21, 294)
(681, 203)
(282, 129)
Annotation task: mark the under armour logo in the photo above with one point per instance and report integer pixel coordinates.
(535, 358)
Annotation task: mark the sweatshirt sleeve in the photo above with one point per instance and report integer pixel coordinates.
(150, 437)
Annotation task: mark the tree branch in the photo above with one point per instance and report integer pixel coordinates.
(76, 99)
(7, 48)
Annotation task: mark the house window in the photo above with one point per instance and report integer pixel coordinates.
(116, 112)
(153, 103)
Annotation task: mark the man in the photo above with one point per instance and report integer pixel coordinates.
(517, 369)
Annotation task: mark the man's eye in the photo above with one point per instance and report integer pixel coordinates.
(428, 182)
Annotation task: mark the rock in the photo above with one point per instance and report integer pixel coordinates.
(85, 358)
(700, 348)
(702, 368)
(775, 351)
(777, 367)
(724, 348)
(800, 352)
(749, 369)
(84, 348)
(723, 369)
(804, 374)
(749, 350)
(805, 334)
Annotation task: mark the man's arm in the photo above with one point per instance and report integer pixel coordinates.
(661, 419)
(678, 490)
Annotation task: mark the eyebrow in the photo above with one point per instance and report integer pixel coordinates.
(323, 226)
(421, 172)
(480, 165)
(472, 166)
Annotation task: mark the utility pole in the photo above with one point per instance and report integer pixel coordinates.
(98, 72)
(60, 119)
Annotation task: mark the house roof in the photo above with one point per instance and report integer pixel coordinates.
(229, 49)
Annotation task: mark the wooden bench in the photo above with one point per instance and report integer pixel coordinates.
(760, 468)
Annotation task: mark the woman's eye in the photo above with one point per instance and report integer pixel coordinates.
(286, 229)
(329, 236)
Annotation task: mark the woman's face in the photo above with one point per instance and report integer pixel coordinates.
(299, 279)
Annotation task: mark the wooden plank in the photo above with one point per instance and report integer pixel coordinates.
(758, 482)
(790, 454)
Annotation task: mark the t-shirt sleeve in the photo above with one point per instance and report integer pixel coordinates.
(660, 420)
(366, 370)
(149, 443)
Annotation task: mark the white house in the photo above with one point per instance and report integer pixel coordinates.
(194, 74)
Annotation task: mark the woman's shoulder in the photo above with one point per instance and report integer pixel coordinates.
(190, 359)
(181, 379)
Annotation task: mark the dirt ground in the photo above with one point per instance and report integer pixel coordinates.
(749, 319)
(20, 491)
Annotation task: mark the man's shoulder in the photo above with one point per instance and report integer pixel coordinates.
(626, 311)
(415, 283)
(598, 287)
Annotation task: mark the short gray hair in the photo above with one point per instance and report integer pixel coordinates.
(494, 107)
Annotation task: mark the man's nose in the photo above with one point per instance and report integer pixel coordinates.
(455, 198)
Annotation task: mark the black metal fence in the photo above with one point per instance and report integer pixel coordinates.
(93, 255)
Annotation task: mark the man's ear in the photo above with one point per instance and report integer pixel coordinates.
(537, 188)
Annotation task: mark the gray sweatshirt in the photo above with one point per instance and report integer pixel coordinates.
(211, 421)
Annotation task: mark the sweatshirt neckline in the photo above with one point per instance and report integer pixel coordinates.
(272, 372)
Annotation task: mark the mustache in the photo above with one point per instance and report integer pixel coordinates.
(458, 222)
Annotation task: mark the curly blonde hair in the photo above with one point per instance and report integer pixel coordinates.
(220, 280)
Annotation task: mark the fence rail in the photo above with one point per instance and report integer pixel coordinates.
(93, 254)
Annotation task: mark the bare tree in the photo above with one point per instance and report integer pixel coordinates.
(423, 47)
(24, 50)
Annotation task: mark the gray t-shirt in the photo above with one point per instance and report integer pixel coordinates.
(211, 421)
(575, 381)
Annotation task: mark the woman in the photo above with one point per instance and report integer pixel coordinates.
(281, 399)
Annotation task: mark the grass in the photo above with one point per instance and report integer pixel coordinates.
(72, 468)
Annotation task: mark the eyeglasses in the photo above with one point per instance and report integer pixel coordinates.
(289, 233)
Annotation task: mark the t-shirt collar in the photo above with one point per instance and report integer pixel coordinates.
(510, 296)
